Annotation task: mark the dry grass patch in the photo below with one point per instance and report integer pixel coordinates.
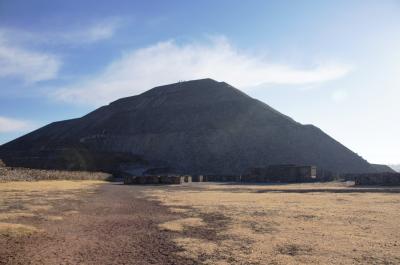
(290, 224)
(196, 248)
(42, 186)
(178, 210)
(54, 218)
(10, 229)
(38, 208)
(72, 212)
(20, 201)
(294, 249)
(181, 224)
(15, 215)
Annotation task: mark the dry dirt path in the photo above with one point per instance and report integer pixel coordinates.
(115, 225)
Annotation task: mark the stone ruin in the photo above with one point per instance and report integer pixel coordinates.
(378, 179)
(198, 178)
(282, 173)
(166, 180)
(222, 178)
(272, 173)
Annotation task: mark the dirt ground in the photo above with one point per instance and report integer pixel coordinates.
(94, 222)
(83, 222)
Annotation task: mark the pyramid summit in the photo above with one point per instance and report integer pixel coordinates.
(195, 127)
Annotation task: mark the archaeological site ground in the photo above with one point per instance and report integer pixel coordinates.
(98, 222)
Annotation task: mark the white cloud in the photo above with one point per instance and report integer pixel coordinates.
(84, 33)
(100, 30)
(32, 66)
(18, 61)
(14, 125)
(168, 62)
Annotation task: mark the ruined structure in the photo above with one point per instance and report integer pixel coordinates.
(223, 178)
(187, 178)
(282, 173)
(172, 179)
(196, 127)
(166, 180)
(198, 178)
(379, 179)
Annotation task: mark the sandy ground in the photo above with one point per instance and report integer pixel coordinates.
(93, 222)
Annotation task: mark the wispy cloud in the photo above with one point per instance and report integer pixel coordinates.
(8, 125)
(167, 62)
(84, 33)
(93, 32)
(31, 66)
(18, 57)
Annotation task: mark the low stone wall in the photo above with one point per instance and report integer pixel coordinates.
(277, 179)
(282, 173)
(141, 180)
(172, 179)
(167, 180)
(27, 174)
(253, 178)
(222, 178)
(378, 179)
(129, 180)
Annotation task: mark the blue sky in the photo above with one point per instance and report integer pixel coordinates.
(334, 64)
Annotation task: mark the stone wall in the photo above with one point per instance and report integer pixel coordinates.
(379, 179)
(282, 173)
(166, 180)
(28, 174)
(275, 173)
(222, 178)
(198, 178)
(172, 179)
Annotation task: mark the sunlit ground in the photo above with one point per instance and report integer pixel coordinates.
(284, 224)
